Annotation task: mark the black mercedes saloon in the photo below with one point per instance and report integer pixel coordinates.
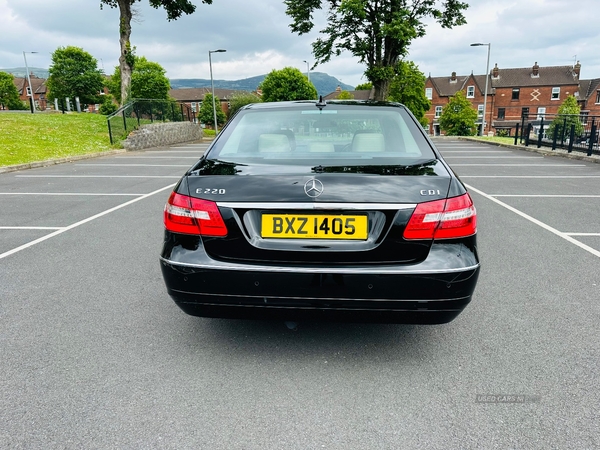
(312, 210)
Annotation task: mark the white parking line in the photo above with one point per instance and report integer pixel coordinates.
(476, 152)
(493, 157)
(544, 195)
(583, 234)
(89, 219)
(133, 165)
(521, 165)
(69, 193)
(178, 151)
(564, 236)
(97, 176)
(528, 176)
(158, 157)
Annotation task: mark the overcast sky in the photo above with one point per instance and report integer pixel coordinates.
(258, 39)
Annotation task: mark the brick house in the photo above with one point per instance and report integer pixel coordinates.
(512, 92)
(193, 97)
(39, 90)
(589, 97)
(439, 90)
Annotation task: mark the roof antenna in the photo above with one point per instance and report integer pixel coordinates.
(321, 104)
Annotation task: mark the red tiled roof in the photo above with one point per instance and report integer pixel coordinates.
(547, 76)
(521, 77)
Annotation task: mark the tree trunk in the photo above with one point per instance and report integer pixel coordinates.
(382, 89)
(126, 58)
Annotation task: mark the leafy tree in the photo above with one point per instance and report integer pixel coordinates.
(458, 117)
(9, 94)
(74, 73)
(108, 106)
(240, 99)
(408, 87)
(206, 114)
(345, 95)
(364, 87)
(378, 32)
(568, 114)
(287, 84)
(148, 80)
(174, 8)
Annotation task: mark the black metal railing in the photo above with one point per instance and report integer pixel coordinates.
(572, 132)
(138, 112)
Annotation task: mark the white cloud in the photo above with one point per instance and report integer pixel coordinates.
(258, 38)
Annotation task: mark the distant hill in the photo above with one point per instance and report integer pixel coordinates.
(22, 72)
(324, 83)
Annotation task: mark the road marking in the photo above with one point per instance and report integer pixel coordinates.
(31, 228)
(493, 157)
(159, 157)
(545, 195)
(97, 176)
(529, 176)
(477, 152)
(69, 193)
(178, 151)
(513, 165)
(133, 165)
(546, 227)
(82, 222)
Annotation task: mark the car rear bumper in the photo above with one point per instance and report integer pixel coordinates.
(434, 291)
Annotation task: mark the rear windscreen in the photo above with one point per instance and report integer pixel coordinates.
(334, 135)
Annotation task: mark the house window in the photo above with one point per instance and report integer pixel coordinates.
(501, 113)
(429, 93)
(471, 92)
(479, 111)
(193, 104)
(541, 113)
(438, 111)
(555, 93)
(515, 93)
(525, 112)
(598, 96)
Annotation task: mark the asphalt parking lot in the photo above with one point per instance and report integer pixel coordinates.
(95, 355)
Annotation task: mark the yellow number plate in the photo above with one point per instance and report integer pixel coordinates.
(311, 226)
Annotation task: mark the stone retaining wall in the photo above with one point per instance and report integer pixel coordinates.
(162, 134)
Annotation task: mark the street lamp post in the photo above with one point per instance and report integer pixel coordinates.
(307, 71)
(212, 85)
(487, 76)
(31, 103)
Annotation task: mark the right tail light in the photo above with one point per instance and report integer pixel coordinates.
(452, 218)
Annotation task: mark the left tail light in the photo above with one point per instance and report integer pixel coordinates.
(189, 215)
(443, 219)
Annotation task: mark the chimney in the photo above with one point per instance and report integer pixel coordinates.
(536, 70)
(495, 71)
(453, 78)
(577, 70)
(338, 89)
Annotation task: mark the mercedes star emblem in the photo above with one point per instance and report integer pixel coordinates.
(313, 188)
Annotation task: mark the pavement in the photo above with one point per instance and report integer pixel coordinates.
(94, 354)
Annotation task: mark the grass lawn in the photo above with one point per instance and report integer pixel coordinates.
(26, 138)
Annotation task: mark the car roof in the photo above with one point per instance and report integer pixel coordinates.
(300, 103)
